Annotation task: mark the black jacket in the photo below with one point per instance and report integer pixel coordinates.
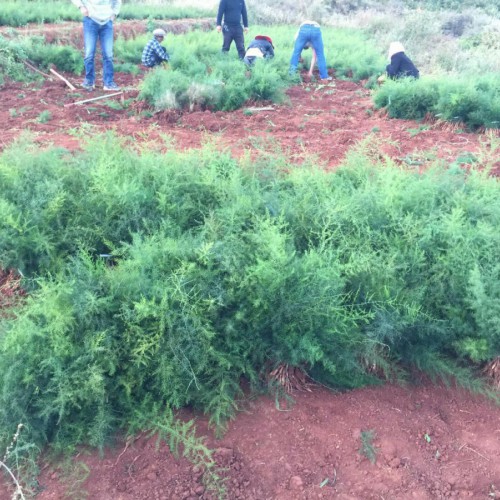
(401, 66)
(232, 11)
(265, 47)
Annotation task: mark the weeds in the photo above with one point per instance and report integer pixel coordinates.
(368, 449)
(44, 116)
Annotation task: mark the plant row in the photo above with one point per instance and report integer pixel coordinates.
(164, 280)
(199, 75)
(20, 12)
(473, 103)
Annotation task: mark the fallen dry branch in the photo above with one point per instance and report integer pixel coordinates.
(255, 110)
(69, 84)
(33, 68)
(92, 99)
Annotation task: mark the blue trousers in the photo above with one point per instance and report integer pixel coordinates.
(92, 32)
(312, 34)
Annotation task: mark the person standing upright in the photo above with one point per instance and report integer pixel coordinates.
(233, 12)
(98, 17)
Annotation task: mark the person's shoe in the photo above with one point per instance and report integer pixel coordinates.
(89, 87)
(326, 80)
(111, 87)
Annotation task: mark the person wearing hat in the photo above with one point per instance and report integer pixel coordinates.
(309, 35)
(153, 53)
(98, 18)
(260, 47)
(233, 12)
(400, 64)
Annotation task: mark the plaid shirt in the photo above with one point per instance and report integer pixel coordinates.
(154, 53)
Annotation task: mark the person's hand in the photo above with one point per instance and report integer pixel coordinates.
(113, 17)
(245, 30)
(219, 28)
(84, 11)
(381, 79)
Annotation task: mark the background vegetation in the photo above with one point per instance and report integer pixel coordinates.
(20, 12)
(160, 281)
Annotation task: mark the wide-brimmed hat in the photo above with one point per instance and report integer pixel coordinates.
(159, 32)
(265, 37)
(395, 48)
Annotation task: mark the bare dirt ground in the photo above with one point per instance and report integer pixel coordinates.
(429, 442)
(321, 120)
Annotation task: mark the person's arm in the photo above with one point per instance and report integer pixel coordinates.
(116, 5)
(393, 68)
(244, 15)
(314, 58)
(81, 6)
(161, 51)
(220, 13)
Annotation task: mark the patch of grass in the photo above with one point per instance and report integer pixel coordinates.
(415, 131)
(368, 449)
(44, 116)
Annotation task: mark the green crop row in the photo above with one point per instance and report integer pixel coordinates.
(20, 12)
(199, 75)
(165, 279)
(473, 103)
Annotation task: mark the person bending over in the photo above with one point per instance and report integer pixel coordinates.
(153, 53)
(401, 65)
(233, 12)
(261, 47)
(309, 34)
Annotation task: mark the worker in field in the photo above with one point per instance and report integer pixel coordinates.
(98, 17)
(261, 47)
(153, 53)
(400, 64)
(309, 34)
(230, 15)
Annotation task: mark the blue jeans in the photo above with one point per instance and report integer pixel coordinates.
(93, 31)
(312, 34)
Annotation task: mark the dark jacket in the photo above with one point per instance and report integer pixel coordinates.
(401, 66)
(232, 11)
(264, 46)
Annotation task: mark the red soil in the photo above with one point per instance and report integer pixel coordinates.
(430, 443)
(325, 121)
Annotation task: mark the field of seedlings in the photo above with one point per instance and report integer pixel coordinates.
(225, 281)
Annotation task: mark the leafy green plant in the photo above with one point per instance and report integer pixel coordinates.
(368, 449)
(44, 116)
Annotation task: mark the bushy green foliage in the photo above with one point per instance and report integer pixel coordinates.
(205, 77)
(11, 66)
(18, 49)
(163, 280)
(473, 103)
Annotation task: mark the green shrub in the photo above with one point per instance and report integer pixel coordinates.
(473, 103)
(166, 279)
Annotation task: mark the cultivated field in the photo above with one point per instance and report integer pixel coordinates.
(232, 282)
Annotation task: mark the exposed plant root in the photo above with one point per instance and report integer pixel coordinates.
(291, 378)
(10, 289)
(492, 370)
